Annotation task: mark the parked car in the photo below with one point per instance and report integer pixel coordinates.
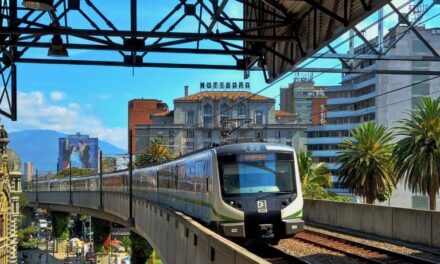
(42, 223)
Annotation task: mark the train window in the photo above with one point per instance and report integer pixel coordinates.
(257, 176)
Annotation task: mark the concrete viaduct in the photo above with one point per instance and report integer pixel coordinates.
(176, 237)
(179, 239)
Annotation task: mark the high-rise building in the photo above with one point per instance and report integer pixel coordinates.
(305, 100)
(198, 121)
(78, 151)
(29, 171)
(361, 98)
(140, 112)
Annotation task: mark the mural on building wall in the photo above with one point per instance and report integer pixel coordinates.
(78, 151)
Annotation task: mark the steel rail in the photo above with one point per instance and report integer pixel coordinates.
(276, 256)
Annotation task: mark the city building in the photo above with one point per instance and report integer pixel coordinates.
(214, 116)
(140, 112)
(78, 151)
(362, 98)
(305, 100)
(29, 170)
(10, 180)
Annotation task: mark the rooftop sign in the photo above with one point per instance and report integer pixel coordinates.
(224, 86)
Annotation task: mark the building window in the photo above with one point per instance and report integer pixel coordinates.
(190, 145)
(190, 117)
(241, 111)
(190, 134)
(207, 115)
(259, 118)
(171, 133)
(224, 112)
(171, 143)
(207, 144)
(208, 134)
(2, 226)
(258, 134)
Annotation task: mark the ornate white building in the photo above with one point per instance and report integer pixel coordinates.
(10, 180)
(198, 121)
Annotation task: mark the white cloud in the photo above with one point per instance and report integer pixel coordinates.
(35, 113)
(57, 96)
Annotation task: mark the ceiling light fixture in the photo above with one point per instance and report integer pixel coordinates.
(43, 5)
(57, 48)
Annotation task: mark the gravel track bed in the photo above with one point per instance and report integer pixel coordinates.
(385, 245)
(314, 254)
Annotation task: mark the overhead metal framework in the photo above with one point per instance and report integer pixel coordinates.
(272, 35)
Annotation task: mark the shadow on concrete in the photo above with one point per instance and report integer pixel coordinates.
(37, 256)
(323, 258)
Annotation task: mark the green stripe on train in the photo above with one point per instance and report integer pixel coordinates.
(295, 215)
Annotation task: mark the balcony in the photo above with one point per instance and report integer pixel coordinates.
(349, 100)
(325, 153)
(324, 140)
(332, 127)
(351, 113)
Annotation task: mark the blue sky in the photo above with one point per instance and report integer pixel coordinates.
(94, 100)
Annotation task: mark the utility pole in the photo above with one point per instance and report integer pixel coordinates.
(36, 186)
(130, 177)
(90, 233)
(70, 181)
(101, 205)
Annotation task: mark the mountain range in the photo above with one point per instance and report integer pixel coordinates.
(41, 147)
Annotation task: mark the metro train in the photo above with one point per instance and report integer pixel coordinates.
(247, 191)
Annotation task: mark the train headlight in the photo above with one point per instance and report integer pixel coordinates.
(235, 204)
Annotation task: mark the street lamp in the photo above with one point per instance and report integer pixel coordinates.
(70, 183)
(101, 205)
(36, 186)
(130, 177)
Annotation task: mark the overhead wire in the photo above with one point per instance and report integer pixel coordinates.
(305, 65)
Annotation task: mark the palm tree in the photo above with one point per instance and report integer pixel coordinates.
(313, 174)
(367, 168)
(418, 152)
(156, 152)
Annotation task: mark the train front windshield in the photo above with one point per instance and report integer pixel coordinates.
(256, 173)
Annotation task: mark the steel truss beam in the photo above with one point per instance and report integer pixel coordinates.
(367, 71)
(271, 36)
(374, 57)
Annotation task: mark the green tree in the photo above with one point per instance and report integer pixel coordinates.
(27, 237)
(155, 152)
(101, 229)
(126, 243)
(314, 177)
(75, 172)
(417, 154)
(313, 173)
(60, 224)
(367, 167)
(140, 249)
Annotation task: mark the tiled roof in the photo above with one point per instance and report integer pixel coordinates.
(283, 113)
(164, 113)
(220, 95)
